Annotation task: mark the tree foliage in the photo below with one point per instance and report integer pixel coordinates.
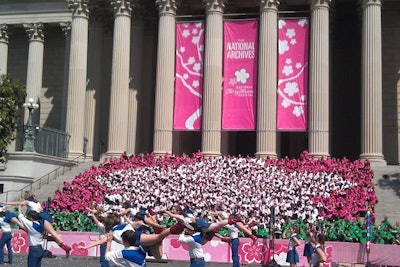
(12, 97)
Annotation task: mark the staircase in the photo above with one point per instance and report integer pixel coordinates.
(49, 189)
(387, 189)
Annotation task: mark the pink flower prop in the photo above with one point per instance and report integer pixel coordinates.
(79, 252)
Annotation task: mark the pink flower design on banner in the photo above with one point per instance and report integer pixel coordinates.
(250, 253)
(292, 74)
(19, 244)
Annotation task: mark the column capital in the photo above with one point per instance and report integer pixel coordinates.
(35, 31)
(3, 33)
(122, 7)
(65, 27)
(320, 3)
(365, 3)
(79, 8)
(213, 6)
(167, 7)
(269, 5)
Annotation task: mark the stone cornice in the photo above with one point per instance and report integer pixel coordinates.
(35, 31)
(3, 33)
(79, 8)
(166, 7)
(122, 7)
(215, 6)
(269, 5)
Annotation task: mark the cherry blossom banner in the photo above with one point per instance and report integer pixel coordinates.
(189, 75)
(240, 75)
(292, 74)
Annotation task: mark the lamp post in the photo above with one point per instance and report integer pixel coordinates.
(29, 143)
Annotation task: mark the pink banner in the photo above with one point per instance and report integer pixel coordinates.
(218, 251)
(240, 75)
(189, 75)
(292, 74)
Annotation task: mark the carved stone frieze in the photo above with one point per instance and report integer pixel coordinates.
(320, 3)
(65, 27)
(167, 6)
(35, 31)
(78, 8)
(3, 33)
(122, 7)
(215, 5)
(269, 4)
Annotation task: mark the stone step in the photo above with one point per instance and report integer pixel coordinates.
(49, 189)
(387, 189)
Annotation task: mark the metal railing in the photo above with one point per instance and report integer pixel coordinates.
(51, 142)
(45, 179)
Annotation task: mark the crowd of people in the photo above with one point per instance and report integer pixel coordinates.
(306, 188)
(270, 196)
(309, 189)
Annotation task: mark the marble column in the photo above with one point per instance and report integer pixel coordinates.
(75, 121)
(371, 91)
(213, 78)
(35, 60)
(95, 57)
(66, 28)
(119, 94)
(35, 67)
(3, 48)
(165, 84)
(267, 79)
(135, 86)
(319, 79)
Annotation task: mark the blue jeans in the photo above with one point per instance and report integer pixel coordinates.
(6, 239)
(197, 263)
(235, 252)
(35, 256)
(103, 261)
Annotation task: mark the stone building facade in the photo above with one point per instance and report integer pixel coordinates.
(103, 71)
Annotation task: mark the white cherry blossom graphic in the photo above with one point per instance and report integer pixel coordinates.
(283, 47)
(242, 75)
(291, 88)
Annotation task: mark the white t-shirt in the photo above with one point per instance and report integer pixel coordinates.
(35, 236)
(128, 257)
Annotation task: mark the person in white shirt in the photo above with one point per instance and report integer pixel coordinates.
(130, 256)
(45, 219)
(194, 241)
(294, 242)
(98, 220)
(233, 240)
(35, 237)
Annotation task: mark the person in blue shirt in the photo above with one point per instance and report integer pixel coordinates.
(35, 236)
